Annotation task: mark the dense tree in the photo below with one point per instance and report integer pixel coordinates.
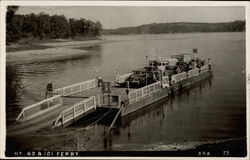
(12, 26)
(46, 26)
(11, 10)
(78, 27)
(182, 27)
(30, 26)
(98, 28)
(43, 22)
(59, 27)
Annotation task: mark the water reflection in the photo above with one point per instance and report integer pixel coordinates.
(13, 90)
(26, 81)
(211, 111)
(156, 114)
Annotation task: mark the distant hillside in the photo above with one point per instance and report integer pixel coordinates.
(180, 27)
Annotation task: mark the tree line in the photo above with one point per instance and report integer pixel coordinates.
(46, 26)
(180, 27)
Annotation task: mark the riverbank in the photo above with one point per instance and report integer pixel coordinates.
(31, 44)
(49, 50)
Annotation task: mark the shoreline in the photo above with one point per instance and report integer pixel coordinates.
(53, 51)
(36, 44)
(27, 51)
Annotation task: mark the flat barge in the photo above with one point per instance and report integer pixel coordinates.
(66, 105)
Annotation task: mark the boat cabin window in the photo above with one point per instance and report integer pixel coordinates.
(138, 72)
(163, 63)
(153, 63)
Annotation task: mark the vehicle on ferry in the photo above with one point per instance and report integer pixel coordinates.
(159, 68)
(142, 77)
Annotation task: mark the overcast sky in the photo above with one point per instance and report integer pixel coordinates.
(114, 17)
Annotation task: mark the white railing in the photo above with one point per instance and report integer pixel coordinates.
(204, 68)
(141, 93)
(122, 78)
(39, 107)
(183, 75)
(193, 72)
(165, 81)
(178, 77)
(75, 88)
(76, 110)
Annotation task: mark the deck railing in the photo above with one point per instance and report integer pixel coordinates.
(75, 88)
(122, 78)
(193, 72)
(141, 93)
(76, 110)
(165, 81)
(204, 68)
(39, 107)
(183, 75)
(178, 77)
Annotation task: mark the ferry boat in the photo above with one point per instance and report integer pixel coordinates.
(128, 93)
(166, 77)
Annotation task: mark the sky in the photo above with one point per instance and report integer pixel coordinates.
(126, 16)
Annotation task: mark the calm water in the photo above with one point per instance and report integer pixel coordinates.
(213, 110)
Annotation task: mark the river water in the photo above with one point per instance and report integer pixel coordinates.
(211, 111)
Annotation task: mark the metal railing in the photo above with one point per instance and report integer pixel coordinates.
(204, 68)
(122, 78)
(76, 110)
(75, 88)
(193, 72)
(178, 77)
(109, 100)
(165, 81)
(39, 107)
(141, 93)
(183, 75)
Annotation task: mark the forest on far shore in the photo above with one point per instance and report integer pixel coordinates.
(179, 27)
(44, 26)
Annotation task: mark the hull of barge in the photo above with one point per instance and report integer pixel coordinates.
(163, 93)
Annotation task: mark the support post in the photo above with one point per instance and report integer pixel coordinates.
(62, 118)
(113, 122)
(80, 87)
(84, 105)
(142, 93)
(94, 102)
(74, 113)
(135, 95)
(63, 93)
